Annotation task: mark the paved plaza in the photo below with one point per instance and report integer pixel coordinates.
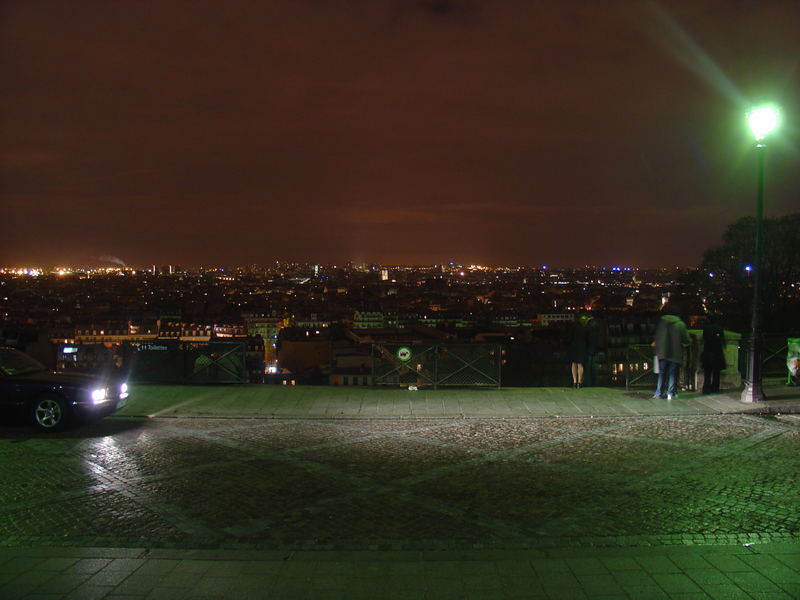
(166, 500)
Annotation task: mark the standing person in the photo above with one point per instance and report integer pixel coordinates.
(590, 323)
(672, 338)
(713, 356)
(578, 353)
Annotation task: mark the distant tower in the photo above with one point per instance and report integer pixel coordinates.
(384, 274)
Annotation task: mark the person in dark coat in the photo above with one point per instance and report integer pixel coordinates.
(581, 346)
(592, 335)
(713, 355)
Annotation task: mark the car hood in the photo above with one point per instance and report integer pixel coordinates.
(78, 380)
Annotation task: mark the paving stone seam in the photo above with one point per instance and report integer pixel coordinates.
(171, 513)
(490, 455)
(464, 416)
(713, 452)
(746, 543)
(358, 482)
(654, 441)
(749, 412)
(260, 453)
(398, 487)
(57, 496)
(430, 504)
(400, 492)
(487, 456)
(156, 477)
(774, 421)
(443, 424)
(168, 425)
(497, 455)
(754, 440)
(269, 419)
(733, 451)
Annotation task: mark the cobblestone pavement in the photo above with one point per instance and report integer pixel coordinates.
(403, 484)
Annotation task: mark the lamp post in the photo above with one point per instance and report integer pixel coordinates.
(762, 121)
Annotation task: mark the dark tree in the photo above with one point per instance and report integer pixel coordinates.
(728, 285)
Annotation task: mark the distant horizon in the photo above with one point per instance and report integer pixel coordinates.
(54, 268)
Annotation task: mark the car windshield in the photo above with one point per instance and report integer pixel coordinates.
(14, 362)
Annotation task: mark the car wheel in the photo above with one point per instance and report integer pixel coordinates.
(49, 413)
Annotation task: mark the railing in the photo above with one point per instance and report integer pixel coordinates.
(774, 355)
(436, 365)
(171, 361)
(640, 355)
(640, 372)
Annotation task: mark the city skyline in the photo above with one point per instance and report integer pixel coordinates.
(162, 267)
(391, 132)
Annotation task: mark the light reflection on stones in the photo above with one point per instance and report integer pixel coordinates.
(276, 482)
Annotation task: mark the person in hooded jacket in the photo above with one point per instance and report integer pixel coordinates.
(672, 338)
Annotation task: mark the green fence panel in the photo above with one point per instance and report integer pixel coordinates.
(793, 360)
(435, 365)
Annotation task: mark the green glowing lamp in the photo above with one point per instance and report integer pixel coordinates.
(762, 121)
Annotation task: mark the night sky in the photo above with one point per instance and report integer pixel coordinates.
(497, 132)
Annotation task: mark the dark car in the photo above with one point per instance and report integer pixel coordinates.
(52, 400)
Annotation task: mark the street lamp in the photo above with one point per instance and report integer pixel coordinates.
(762, 121)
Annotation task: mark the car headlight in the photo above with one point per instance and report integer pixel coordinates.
(123, 389)
(98, 396)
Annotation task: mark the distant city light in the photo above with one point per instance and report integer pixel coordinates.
(748, 268)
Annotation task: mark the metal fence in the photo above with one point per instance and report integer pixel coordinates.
(638, 366)
(436, 365)
(639, 369)
(774, 356)
(173, 361)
